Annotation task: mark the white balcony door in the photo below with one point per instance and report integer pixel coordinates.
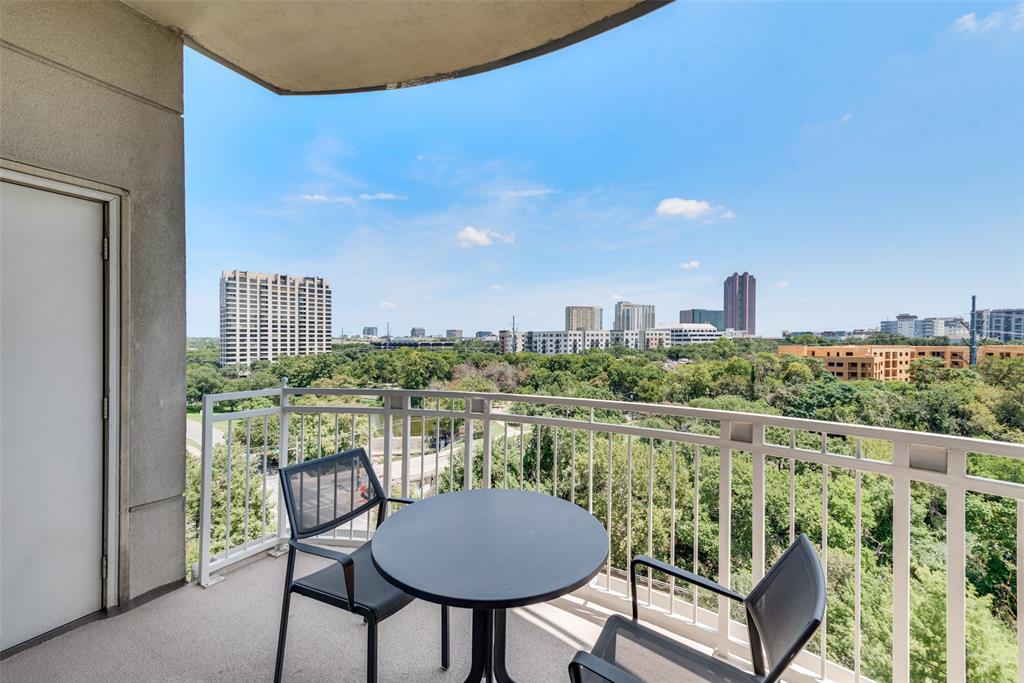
(51, 422)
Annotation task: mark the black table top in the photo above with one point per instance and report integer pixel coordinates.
(490, 549)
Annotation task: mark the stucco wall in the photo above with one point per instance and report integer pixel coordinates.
(94, 90)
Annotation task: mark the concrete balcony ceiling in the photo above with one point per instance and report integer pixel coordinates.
(311, 47)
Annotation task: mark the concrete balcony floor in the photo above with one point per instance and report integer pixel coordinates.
(229, 633)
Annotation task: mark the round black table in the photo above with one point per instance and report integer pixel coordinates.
(489, 550)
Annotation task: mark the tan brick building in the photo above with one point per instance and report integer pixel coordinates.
(885, 363)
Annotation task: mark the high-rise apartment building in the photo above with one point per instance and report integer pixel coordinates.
(740, 303)
(583, 318)
(1003, 324)
(630, 316)
(369, 331)
(263, 316)
(703, 315)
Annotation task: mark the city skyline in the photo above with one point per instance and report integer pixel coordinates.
(494, 197)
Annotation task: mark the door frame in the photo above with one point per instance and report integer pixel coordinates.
(108, 405)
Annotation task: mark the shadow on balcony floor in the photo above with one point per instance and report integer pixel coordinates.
(229, 633)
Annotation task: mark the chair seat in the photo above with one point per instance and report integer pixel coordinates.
(650, 656)
(373, 592)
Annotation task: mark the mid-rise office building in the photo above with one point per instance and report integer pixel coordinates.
(369, 331)
(703, 315)
(630, 316)
(584, 318)
(908, 325)
(484, 334)
(453, 333)
(740, 303)
(265, 316)
(689, 333)
(892, 362)
(418, 332)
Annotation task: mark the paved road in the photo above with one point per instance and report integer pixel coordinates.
(194, 432)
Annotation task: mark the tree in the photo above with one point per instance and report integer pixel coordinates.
(201, 380)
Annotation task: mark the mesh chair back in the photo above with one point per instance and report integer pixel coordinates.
(327, 492)
(786, 607)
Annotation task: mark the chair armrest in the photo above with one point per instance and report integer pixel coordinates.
(384, 503)
(689, 577)
(599, 667)
(348, 565)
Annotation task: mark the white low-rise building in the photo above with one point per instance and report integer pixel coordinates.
(550, 342)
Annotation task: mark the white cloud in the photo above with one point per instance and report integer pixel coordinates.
(1018, 19)
(475, 237)
(781, 285)
(846, 118)
(970, 23)
(676, 206)
(728, 215)
(323, 198)
(386, 304)
(527, 192)
(689, 265)
(382, 196)
(616, 297)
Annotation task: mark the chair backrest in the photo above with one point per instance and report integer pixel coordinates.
(326, 492)
(785, 609)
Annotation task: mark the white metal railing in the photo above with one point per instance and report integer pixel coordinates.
(432, 428)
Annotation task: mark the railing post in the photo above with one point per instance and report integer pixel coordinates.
(724, 534)
(206, 505)
(389, 401)
(487, 443)
(467, 447)
(282, 461)
(758, 486)
(406, 406)
(901, 562)
(956, 570)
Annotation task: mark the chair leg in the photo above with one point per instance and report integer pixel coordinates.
(283, 633)
(445, 653)
(371, 651)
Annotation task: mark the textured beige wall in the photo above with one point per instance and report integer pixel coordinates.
(94, 90)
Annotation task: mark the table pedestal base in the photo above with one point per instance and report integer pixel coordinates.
(488, 647)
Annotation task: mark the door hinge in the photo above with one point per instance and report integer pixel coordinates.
(106, 408)
(103, 567)
(106, 249)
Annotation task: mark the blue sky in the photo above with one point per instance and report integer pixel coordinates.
(860, 159)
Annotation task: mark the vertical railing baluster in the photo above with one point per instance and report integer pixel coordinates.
(406, 442)
(488, 445)
(696, 523)
(724, 535)
(227, 501)
(858, 532)
(206, 494)
(554, 460)
(451, 449)
(672, 536)
(901, 562)
(572, 468)
(1020, 590)
(248, 469)
(650, 520)
(824, 565)
(538, 428)
(263, 506)
(608, 578)
(504, 477)
(792, 500)
(956, 569)
(590, 464)
(757, 503)
(467, 450)
(629, 507)
(437, 450)
(522, 457)
(423, 453)
(319, 435)
(282, 460)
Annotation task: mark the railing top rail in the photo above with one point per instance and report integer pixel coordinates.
(966, 444)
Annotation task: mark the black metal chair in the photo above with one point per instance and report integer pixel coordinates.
(320, 495)
(783, 612)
